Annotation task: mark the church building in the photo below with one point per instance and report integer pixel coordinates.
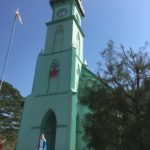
(53, 107)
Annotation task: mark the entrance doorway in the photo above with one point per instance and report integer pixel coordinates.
(49, 129)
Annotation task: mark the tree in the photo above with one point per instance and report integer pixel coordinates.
(120, 107)
(10, 112)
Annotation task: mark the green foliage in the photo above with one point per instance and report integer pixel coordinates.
(120, 109)
(11, 103)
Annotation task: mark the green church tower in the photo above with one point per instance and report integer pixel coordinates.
(53, 107)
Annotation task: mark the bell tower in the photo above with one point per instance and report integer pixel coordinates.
(52, 107)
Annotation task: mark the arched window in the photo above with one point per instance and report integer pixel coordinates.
(54, 69)
(78, 43)
(58, 39)
(78, 70)
(54, 77)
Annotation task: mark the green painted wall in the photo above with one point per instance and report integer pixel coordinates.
(58, 94)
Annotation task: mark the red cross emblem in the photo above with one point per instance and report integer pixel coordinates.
(53, 72)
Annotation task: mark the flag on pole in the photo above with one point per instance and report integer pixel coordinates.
(18, 16)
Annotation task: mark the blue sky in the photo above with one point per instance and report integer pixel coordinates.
(123, 21)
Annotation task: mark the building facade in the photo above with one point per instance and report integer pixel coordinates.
(53, 107)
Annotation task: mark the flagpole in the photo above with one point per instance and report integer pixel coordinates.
(7, 54)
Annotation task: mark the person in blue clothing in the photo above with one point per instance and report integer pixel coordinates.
(42, 143)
